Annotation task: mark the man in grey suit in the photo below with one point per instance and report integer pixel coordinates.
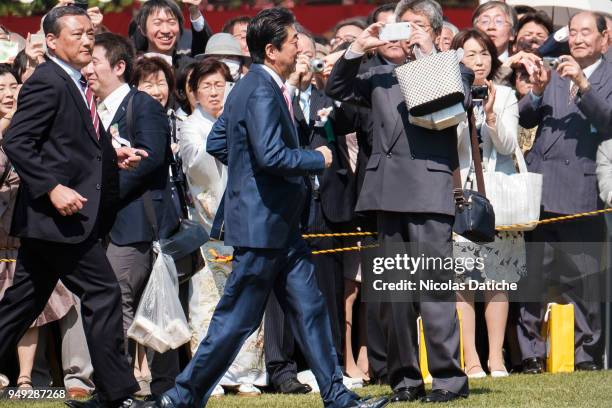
(408, 184)
(573, 107)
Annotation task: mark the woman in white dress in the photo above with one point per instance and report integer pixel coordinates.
(497, 123)
(206, 178)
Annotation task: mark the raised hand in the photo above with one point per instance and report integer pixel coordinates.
(368, 39)
(569, 68)
(129, 158)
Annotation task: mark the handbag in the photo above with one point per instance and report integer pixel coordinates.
(474, 215)
(516, 198)
(431, 83)
(186, 240)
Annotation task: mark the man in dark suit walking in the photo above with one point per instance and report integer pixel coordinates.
(408, 183)
(265, 194)
(572, 107)
(66, 203)
(130, 249)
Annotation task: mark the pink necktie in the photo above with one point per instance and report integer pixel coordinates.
(91, 105)
(288, 101)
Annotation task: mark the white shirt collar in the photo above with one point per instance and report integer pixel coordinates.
(112, 103)
(274, 75)
(588, 71)
(74, 74)
(503, 57)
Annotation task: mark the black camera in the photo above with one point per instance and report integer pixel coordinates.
(480, 92)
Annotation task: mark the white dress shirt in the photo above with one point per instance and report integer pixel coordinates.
(107, 109)
(74, 74)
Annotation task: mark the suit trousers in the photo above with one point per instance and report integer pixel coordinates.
(255, 273)
(279, 341)
(440, 324)
(84, 269)
(133, 265)
(576, 264)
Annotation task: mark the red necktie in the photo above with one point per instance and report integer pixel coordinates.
(288, 101)
(91, 105)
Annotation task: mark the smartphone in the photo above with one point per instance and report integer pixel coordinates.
(8, 51)
(84, 4)
(395, 31)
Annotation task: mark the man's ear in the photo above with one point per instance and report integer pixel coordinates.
(51, 41)
(270, 51)
(119, 68)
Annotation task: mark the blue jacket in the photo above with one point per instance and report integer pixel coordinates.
(258, 141)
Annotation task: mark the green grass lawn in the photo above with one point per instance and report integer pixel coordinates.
(574, 390)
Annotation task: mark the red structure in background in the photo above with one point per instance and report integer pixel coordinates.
(317, 19)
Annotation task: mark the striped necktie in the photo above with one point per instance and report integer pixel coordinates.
(91, 105)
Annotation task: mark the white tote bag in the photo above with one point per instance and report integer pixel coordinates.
(515, 197)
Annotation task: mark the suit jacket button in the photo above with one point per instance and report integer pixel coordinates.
(97, 186)
(412, 156)
(389, 155)
(567, 162)
(98, 158)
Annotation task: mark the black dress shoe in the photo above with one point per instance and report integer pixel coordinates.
(124, 403)
(93, 402)
(442, 396)
(369, 403)
(408, 394)
(587, 366)
(533, 365)
(293, 386)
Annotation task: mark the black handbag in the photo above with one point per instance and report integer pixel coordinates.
(184, 244)
(474, 215)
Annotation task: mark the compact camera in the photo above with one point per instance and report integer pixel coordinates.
(552, 62)
(317, 65)
(480, 92)
(395, 32)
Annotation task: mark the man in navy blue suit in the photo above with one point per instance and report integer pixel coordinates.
(266, 191)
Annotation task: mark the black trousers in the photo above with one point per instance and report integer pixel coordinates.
(84, 269)
(279, 342)
(569, 253)
(430, 235)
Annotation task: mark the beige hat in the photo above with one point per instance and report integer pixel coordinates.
(223, 44)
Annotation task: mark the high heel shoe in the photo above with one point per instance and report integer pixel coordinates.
(498, 373)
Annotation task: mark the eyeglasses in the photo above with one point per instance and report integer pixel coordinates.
(207, 87)
(422, 26)
(497, 21)
(338, 40)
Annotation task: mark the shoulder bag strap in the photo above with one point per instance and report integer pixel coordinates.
(146, 197)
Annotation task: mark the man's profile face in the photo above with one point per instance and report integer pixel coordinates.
(74, 44)
(285, 58)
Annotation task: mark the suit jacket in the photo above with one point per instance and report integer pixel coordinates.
(52, 141)
(567, 138)
(337, 183)
(151, 132)
(410, 168)
(258, 141)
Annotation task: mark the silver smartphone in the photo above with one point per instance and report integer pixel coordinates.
(395, 32)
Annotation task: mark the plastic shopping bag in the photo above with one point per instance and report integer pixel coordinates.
(160, 322)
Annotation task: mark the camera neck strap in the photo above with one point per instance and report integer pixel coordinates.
(476, 159)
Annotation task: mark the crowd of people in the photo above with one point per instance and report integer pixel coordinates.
(197, 136)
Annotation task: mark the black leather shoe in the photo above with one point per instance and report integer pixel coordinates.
(442, 396)
(369, 403)
(293, 386)
(408, 394)
(93, 402)
(533, 365)
(587, 366)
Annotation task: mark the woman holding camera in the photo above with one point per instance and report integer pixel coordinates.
(496, 119)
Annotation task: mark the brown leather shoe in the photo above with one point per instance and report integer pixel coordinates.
(78, 393)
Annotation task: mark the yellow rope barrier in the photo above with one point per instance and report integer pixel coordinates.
(7, 260)
(338, 234)
(555, 219)
(334, 250)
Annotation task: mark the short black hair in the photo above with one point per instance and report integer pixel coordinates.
(20, 65)
(600, 20)
(539, 18)
(522, 9)
(385, 8)
(8, 69)
(117, 48)
(51, 23)
(152, 6)
(228, 27)
(352, 21)
(269, 26)
(181, 84)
